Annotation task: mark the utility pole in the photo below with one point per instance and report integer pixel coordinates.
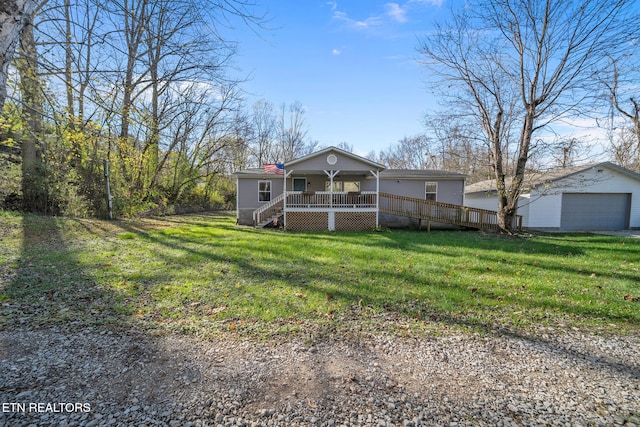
(109, 196)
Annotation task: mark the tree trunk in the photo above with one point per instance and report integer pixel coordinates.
(68, 63)
(14, 15)
(34, 194)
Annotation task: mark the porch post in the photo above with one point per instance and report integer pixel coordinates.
(331, 174)
(285, 175)
(331, 189)
(377, 175)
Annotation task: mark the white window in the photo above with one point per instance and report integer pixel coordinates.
(337, 186)
(431, 190)
(351, 186)
(264, 191)
(342, 185)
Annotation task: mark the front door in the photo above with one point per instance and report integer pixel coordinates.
(299, 184)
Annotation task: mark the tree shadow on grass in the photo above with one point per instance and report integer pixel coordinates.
(49, 284)
(291, 266)
(59, 330)
(325, 279)
(53, 287)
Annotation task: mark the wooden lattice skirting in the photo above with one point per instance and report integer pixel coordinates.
(320, 221)
(307, 221)
(355, 221)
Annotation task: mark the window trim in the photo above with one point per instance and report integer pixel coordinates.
(293, 183)
(351, 182)
(264, 191)
(435, 193)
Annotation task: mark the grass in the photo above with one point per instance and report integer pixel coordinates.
(203, 274)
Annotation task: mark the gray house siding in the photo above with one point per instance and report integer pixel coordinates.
(247, 195)
(318, 182)
(448, 191)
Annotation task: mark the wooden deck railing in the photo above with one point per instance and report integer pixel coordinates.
(445, 213)
(326, 199)
(411, 207)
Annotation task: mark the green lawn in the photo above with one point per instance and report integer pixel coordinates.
(205, 275)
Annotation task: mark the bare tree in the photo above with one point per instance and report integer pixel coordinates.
(142, 82)
(409, 153)
(344, 145)
(519, 64)
(622, 91)
(263, 127)
(293, 132)
(458, 145)
(14, 15)
(199, 141)
(570, 151)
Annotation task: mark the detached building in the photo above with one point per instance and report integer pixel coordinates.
(601, 196)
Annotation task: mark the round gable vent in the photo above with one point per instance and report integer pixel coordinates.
(332, 159)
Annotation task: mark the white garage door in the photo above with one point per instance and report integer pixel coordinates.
(595, 211)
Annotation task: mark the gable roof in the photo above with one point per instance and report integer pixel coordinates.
(384, 173)
(335, 150)
(532, 180)
(252, 172)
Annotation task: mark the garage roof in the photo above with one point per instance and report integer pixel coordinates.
(532, 180)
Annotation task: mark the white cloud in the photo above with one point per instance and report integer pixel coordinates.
(332, 4)
(353, 23)
(336, 52)
(396, 12)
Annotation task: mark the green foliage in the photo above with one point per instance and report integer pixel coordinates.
(11, 176)
(73, 180)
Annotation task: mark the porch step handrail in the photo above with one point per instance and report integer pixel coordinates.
(445, 213)
(267, 211)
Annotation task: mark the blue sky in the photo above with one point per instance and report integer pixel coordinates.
(352, 64)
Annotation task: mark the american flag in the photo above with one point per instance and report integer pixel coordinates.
(274, 168)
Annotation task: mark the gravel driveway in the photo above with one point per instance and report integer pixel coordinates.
(96, 377)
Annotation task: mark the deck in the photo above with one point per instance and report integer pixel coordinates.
(368, 201)
(445, 213)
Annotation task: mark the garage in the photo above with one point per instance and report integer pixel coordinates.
(595, 211)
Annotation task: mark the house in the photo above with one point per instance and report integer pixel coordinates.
(333, 189)
(600, 196)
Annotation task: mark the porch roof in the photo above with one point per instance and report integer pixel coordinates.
(259, 173)
(347, 164)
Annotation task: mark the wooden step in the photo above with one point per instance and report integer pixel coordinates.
(270, 220)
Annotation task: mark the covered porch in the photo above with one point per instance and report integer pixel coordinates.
(328, 190)
(324, 209)
(327, 210)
